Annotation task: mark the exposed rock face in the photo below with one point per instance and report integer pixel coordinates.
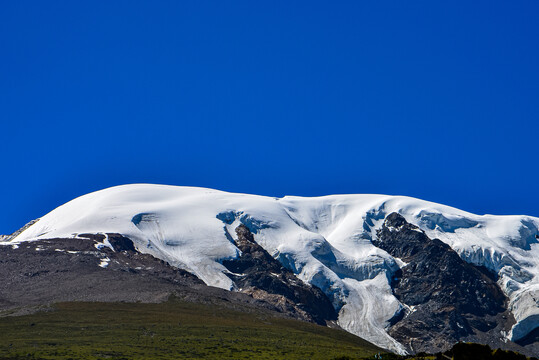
(449, 300)
(16, 233)
(257, 273)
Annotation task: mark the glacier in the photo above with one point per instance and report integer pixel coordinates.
(325, 241)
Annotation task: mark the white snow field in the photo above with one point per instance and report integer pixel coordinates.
(324, 240)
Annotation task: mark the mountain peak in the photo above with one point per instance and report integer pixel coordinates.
(327, 242)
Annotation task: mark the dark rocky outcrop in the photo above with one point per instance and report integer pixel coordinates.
(450, 300)
(45, 271)
(117, 241)
(257, 273)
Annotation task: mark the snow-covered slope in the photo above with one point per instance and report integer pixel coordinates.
(326, 241)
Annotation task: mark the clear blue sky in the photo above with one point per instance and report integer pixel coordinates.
(436, 100)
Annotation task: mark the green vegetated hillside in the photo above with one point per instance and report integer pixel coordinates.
(171, 330)
(185, 330)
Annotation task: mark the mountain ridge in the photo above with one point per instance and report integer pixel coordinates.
(325, 241)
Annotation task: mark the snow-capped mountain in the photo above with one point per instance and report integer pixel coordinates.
(328, 242)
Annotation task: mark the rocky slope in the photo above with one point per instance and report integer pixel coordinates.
(256, 273)
(107, 268)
